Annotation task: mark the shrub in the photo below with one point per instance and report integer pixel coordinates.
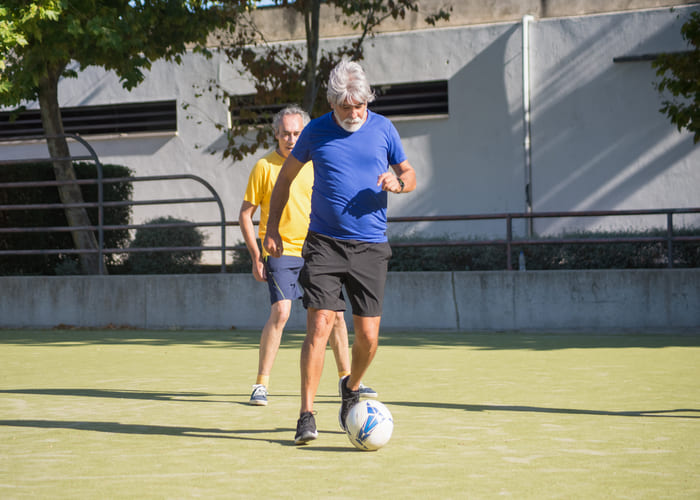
(240, 259)
(445, 256)
(61, 263)
(170, 262)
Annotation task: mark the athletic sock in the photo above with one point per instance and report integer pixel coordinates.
(263, 379)
(343, 373)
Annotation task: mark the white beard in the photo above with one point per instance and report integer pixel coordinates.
(349, 125)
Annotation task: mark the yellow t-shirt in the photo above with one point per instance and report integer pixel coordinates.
(294, 222)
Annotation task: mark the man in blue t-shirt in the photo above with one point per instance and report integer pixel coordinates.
(352, 149)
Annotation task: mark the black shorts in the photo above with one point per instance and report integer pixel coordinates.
(330, 264)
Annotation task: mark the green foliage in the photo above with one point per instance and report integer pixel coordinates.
(59, 264)
(40, 36)
(42, 41)
(284, 73)
(240, 259)
(170, 235)
(446, 256)
(680, 74)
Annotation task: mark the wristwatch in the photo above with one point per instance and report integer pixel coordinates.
(400, 183)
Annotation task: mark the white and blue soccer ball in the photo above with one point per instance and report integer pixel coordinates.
(369, 425)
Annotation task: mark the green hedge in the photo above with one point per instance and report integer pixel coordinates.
(56, 264)
(553, 256)
(241, 261)
(179, 262)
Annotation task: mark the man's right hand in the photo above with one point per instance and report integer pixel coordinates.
(273, 244)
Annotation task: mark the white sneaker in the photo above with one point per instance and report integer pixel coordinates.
(367, 392)
(259, 395)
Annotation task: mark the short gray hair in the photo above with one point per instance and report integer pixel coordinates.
(289, 110)
(348, 82)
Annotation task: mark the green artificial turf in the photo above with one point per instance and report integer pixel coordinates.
(164, 414)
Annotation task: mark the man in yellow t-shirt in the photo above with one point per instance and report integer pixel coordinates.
(282, 273)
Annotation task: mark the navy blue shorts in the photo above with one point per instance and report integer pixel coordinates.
(283, 277)
(330, 264)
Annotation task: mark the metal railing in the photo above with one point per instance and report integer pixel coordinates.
(100, 204)
(669, 238)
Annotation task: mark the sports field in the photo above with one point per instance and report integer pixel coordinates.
(164, 414)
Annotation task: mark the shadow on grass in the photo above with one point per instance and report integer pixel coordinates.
(167, 430)
(206, 398)
(108, 336)
(190, 397)
(292, 340)
(161, 430)
(537, 341)
(676, 413)
(202, 397)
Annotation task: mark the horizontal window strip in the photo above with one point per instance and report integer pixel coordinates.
(395, 100)
(156, 116)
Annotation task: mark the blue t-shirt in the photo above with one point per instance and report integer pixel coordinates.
(346, 202)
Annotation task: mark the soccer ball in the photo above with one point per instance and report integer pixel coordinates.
(369, 425)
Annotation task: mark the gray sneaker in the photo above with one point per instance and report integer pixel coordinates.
(259, 395)
(306, 428)
(348, 400)
(367, 392)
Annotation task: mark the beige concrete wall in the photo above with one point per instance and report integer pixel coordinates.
(607, 301)
(280, 23)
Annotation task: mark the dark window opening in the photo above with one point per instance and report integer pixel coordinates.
(157, 116)
(412, 100)
(247, 113)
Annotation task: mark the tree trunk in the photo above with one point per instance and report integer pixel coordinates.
(312, 23)
(63, 169)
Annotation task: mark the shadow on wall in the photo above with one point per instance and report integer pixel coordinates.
(105, 148)
(484, 132)
(599, 139)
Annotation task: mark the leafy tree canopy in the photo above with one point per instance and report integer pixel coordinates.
(296, 73)
(42, 36)
(42, 41)
(680, 76)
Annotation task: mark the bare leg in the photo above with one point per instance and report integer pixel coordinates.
(339, 343)
(318, 329)
(272, 335)
(363, 348)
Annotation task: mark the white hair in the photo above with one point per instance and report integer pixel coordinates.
(289, 110)
(348, 82)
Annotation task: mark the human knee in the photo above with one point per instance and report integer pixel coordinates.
(320, 323)
(280, 312)
(339, 321)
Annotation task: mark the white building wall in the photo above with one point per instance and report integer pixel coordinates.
(598, 139)
(472, 161)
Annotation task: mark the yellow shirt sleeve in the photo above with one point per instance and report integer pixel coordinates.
(294, 222)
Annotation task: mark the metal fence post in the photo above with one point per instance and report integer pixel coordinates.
(669, 238)
(509, 241)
